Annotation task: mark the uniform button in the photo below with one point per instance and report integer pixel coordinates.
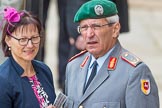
(81, 106)
(104, 107)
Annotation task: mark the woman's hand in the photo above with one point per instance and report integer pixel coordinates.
(51, 106)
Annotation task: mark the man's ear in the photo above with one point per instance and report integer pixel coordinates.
(116, 30)
(8, 41)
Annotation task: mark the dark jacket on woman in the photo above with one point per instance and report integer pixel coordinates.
(16, 91)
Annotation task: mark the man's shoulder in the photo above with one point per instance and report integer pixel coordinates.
(130, 58)
(77, 55)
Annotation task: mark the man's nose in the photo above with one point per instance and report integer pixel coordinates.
(90, 32)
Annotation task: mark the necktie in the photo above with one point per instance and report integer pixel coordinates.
(93, 73)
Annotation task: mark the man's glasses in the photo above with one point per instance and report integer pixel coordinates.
(83, 29)
(24, 41)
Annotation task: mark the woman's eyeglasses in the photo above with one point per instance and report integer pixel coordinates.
(24, 41)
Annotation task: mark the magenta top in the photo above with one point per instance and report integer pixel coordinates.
(39, 92)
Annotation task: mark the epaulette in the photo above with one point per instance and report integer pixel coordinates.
(77, 55)
(131, 59)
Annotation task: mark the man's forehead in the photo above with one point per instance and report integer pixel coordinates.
(93, 20)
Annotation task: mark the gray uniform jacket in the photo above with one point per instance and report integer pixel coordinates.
(123, 81)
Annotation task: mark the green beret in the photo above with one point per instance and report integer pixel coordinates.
(96, 9)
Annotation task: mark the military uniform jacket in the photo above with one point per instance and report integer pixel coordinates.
(16, 91)
(123, 81)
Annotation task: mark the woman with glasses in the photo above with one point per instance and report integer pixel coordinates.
(24, 82)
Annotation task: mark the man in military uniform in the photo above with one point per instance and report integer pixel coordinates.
(106, 75)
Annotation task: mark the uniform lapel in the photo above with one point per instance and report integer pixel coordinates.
(102, 75)
(99, 79)
(82, 74)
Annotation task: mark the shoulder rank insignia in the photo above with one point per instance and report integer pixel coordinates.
(145, 86)
(77, 55)
(131, 59)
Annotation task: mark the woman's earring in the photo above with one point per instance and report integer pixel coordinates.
(9, 48)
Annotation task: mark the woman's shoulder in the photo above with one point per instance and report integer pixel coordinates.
(40, 65)
(5, 67)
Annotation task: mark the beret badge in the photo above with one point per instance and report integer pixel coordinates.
(99, 10)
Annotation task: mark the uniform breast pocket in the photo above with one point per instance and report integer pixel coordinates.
(106, 105)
